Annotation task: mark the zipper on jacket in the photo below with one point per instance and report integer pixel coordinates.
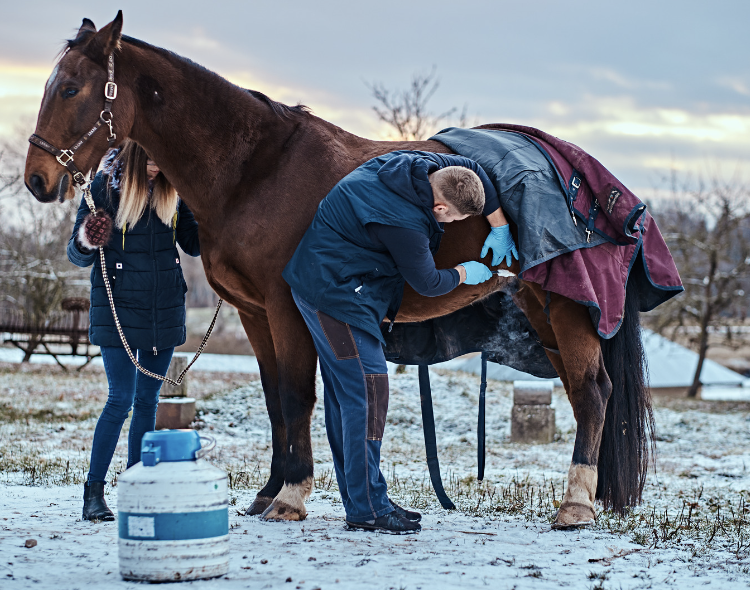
(155, 352)
(156, 280)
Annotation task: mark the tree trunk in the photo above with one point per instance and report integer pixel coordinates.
(706, 315)
(693, 391)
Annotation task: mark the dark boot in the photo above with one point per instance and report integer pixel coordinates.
(94, 506)
(392, 523)
(407, 514)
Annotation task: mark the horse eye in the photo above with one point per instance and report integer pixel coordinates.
(70, 92)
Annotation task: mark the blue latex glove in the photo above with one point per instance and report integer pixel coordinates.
(476, 272)
(502, 245)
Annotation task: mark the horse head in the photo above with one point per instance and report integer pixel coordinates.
(72, 104)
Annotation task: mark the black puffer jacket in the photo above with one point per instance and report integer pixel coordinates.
(143, 265)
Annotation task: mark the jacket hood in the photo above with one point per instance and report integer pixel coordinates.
(406, 174)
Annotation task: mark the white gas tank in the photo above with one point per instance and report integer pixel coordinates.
(173, 511)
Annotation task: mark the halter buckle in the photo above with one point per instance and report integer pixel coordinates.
(79, 178)
(110, 91)
(65, 154)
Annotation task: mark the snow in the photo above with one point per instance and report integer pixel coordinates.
(453, 550)
(670, 365)
(237, 363)
(465, 548)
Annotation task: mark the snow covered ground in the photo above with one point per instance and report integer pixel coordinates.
(499, 536)
(453, 551)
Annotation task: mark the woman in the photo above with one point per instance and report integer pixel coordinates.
(148, 288)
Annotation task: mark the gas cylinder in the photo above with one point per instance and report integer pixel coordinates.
(173, 511)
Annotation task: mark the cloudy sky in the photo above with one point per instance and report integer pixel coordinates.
(645, 86)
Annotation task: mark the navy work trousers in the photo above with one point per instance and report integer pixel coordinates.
(355, 380)
(128, 388)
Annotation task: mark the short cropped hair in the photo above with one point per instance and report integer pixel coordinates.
(462, 188)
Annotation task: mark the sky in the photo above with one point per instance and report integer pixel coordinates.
(647, 87)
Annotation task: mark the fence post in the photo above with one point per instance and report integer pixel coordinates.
(532, 417)
(175, 409)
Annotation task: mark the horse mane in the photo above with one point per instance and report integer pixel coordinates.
(279, 109)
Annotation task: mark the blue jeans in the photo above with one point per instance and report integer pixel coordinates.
(355, 380)
(128, 388)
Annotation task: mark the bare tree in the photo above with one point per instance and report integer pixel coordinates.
(406, 111)
(708, 233)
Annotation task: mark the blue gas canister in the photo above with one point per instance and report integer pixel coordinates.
(173, 511)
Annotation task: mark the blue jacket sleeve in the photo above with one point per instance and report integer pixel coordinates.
(78, 255)
(491, 200)
(410, 250)
(187, 231)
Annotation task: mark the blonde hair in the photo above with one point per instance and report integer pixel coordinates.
(462, 188)
(134, 188)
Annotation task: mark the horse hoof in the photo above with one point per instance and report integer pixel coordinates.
(259, 505)
(573, 516)
(290, 503)
(282, 511)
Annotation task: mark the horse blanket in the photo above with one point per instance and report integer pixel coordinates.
(581, 233)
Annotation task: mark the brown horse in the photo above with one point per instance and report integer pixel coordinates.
(253, 172)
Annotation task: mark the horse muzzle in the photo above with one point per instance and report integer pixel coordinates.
(37, 187)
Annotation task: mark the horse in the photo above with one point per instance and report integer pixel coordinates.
(253, 172)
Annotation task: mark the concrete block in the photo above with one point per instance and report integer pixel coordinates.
(175, 413)
(532, 423)
(529, 393)
(177, 366)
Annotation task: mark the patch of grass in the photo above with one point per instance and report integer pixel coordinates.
(36, 469)
(47, 415)
(242, 475)
(519, 497)
(700, 523)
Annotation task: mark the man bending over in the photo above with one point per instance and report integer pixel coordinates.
(378, 227)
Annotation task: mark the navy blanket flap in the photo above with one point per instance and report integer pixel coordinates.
(494, 325)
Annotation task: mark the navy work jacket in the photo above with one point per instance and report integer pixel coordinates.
(144, 272)
(337, 267)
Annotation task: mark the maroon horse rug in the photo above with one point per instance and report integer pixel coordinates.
(581, 233)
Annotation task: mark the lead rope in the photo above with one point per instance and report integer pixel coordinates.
(90, 202)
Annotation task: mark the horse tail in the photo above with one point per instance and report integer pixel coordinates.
(628, 433)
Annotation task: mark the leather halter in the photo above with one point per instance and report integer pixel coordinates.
(65, 157)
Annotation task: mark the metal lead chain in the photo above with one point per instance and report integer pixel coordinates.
(90, 202)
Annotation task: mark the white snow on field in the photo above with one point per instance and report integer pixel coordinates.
(699, 452)
(452, 551)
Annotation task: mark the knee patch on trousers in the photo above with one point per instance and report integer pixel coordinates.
(339, 337)
(377, 405)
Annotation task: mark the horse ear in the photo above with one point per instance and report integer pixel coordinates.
(106, 40)
(87, 26)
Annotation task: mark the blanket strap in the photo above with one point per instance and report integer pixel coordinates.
(481, 420)
(573, 185)
(593, 213)
(430, 441)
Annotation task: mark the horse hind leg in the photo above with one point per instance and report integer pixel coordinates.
(588, 387)
(259, 334)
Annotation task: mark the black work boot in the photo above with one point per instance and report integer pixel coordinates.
(392, 523)
(407, 514)
(94, 506)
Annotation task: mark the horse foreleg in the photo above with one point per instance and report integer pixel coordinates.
(588, 388)
(259, 334)
(296, 361)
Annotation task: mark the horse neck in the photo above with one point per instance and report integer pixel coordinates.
(201, 129)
